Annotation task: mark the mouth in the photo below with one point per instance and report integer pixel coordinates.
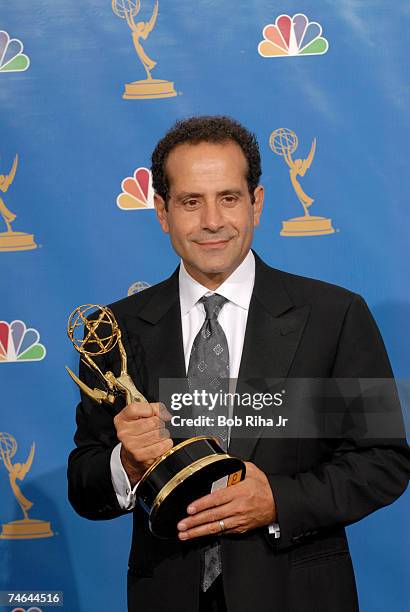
(213, 244)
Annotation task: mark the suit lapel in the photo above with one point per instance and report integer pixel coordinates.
(157, 347)
(273, 332)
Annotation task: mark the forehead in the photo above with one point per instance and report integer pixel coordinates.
(206, 163)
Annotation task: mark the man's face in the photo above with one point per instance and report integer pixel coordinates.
(210, 216)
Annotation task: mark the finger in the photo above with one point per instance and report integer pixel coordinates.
(140, 426)
(159, 409)
(145, 425)
(146, 439)
(137, 410)
(163, 412)
(207, 516)
(208, 529)
(217, 498)
(236, 530)
(143, 432)
(141, 455)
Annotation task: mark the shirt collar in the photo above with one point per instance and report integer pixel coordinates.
(237, 288)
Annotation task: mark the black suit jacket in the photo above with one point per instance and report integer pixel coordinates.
(297, 328)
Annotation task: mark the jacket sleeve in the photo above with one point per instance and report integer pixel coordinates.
(90, 489)
(362, 474)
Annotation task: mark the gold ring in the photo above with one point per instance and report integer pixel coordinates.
(222, 525)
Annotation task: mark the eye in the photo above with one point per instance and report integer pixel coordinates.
(191, 204)
(229, 200)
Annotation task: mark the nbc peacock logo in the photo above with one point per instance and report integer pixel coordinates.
(31, 609)
(137, 191)
(292, 36)
(12, 58)
(19, 343)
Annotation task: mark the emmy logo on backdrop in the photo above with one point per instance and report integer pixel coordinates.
(10, 240)
(137, 287)
(284, 142)
(26, 528)
(149, 87)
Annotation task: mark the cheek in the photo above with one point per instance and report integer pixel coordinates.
(245, 223)
(181, 229)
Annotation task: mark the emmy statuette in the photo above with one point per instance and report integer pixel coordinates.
(147, 88)
(11, 240)
(182, 474)
(284, 142)
(26, 528)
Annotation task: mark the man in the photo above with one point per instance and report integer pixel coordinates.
(275, 541)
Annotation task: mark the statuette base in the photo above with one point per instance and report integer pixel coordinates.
(148, 89)
(16, 241)
(26, 529)
(307, 226)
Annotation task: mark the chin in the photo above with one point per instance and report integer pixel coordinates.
(212, 267)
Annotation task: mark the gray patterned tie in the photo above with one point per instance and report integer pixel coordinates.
(208, 370)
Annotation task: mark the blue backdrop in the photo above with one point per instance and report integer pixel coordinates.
(63, 114)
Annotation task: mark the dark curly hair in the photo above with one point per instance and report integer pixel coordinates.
(215, 128)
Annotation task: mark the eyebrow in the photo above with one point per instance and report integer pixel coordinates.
(192, 194)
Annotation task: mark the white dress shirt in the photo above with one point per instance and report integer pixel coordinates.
(237, 289)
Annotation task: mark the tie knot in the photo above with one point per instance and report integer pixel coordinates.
(213, 305)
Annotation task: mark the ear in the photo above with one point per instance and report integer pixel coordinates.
(162, 215)
(258, 195)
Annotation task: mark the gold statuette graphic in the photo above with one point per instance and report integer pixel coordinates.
(140, 30)
(284, 142)
(184, 473)
(10, 240)
(26, 528)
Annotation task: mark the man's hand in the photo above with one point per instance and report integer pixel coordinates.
(244, 506)
(143, 435)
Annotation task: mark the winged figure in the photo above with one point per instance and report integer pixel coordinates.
(142, 30)
(297, 168)
(5, 182)
(18, 471)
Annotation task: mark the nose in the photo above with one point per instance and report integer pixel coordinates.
(212, 217)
